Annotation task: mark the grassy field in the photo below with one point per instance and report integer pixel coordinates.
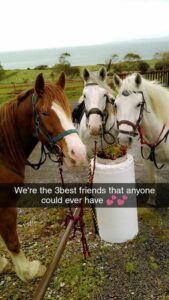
(9, 85)
(16, 81)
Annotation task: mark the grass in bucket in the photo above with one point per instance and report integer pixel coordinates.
(112, 152)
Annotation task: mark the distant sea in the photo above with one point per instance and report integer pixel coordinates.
(84, 55)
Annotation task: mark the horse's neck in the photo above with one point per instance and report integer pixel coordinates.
(151, 125)
(24, 123)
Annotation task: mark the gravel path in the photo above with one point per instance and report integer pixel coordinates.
(135, 270)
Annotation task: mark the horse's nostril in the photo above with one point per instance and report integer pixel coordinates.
(72, 152)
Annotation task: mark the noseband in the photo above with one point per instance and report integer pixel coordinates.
(51, 141)
(127, 122)
(96, 111)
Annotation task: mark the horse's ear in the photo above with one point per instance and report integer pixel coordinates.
(62, 80)
(39, 84)
(86, 74)
(102, 73)
(117, 81)
(138, 79)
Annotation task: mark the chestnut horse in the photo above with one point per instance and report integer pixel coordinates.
(39, 114)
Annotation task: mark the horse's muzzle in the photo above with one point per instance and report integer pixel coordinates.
(124, 139)
(95, 130)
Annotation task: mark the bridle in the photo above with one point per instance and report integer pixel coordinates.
(126, 122)
(135, 126)
(103, 114)
(51, 142)
(138, 131)
(38, 130)
(97, 111)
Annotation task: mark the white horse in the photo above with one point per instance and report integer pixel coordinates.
(142, 107)
(97, 119)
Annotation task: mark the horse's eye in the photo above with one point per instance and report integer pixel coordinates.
(84, 96)
(139, 104)
(112, 100)
(45, 113)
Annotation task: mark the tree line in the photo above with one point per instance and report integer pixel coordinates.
(130, 62)
(134, 62)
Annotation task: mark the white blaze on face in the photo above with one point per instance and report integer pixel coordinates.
(76, 149)
(95, 98)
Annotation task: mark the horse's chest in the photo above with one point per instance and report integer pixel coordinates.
(162, 152)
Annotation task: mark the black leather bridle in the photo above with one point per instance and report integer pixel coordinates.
(103, 114)
(80, 110)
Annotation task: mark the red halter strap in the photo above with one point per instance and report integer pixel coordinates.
(152, 146)
(144, 142)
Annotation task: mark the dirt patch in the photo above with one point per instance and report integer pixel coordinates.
(135, 270)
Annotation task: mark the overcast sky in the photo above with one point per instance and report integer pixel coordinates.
(35, 24)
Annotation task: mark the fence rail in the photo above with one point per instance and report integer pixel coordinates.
(16, 88)
(160, 76)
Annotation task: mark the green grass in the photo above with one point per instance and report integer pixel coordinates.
(27, 77)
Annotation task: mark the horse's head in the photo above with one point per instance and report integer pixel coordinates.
(52, 123)
(95, 98)
(129, 106)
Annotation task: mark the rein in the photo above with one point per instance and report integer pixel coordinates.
(51, 145)
(152, 146)
(45, 153)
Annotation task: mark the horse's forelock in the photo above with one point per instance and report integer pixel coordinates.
(54, 92)
(129, 84)
(94, 78)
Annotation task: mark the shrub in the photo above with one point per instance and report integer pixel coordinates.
(161, 65)
(41, 67)
(69, 71)
(61, 68)
(2, 72)
(73, 71)
(158, 66)
(143, 66)
(52, 75)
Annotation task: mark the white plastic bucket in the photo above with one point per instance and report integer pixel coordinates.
(116, 224)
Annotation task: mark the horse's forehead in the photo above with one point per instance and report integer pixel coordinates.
(94, 89)
(64, 118)
(130, 97)
(128, 84)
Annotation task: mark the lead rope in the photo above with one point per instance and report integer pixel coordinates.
(90, 184)
(78, 220)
